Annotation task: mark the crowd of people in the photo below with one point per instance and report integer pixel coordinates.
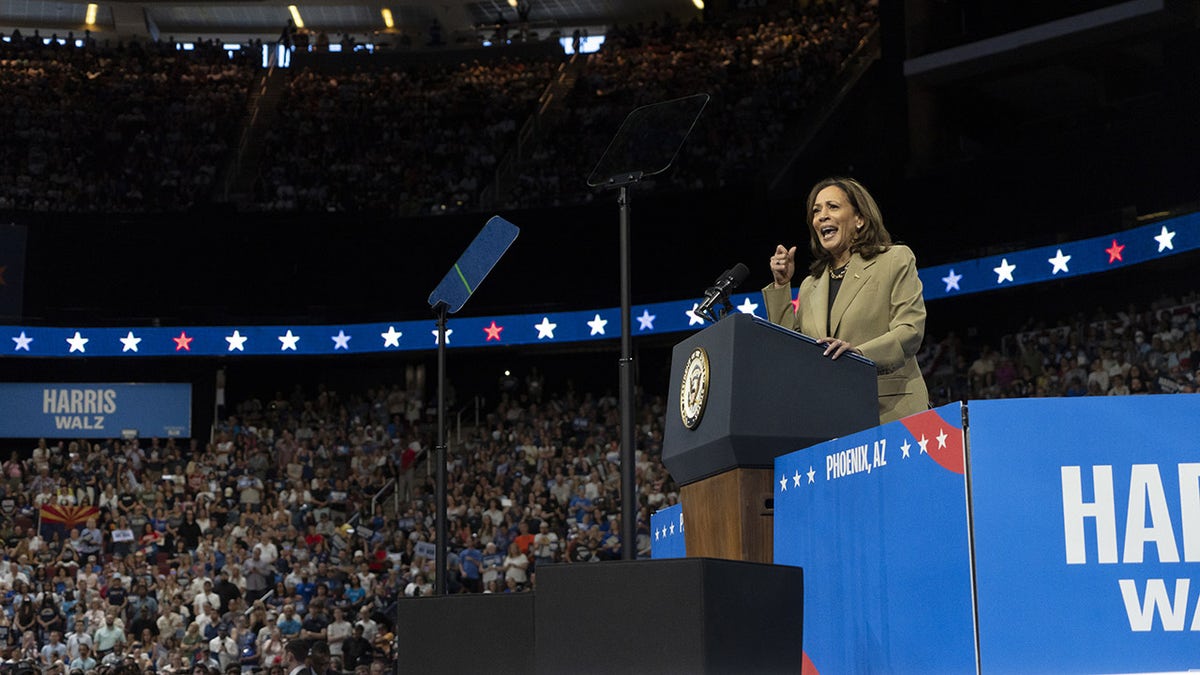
(292, 534)
(420, 139)
(761, 74)
(1134, 351)
(148, 127)
(298, 527)
(136, 127)
(347, 141)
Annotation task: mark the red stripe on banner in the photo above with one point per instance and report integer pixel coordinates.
(807, 667)
(943, 441)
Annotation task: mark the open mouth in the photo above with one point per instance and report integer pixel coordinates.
(828, 231)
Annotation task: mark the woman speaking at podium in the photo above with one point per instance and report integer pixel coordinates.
(861, 294)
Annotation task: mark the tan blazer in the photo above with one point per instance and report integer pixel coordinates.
(879, 310)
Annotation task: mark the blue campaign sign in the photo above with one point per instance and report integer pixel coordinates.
(94, 410)
(666, 540)
(1087, 533)
(878, 521)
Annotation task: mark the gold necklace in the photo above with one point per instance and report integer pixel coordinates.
(838, 273)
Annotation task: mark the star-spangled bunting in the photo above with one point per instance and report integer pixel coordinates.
(1059, 262)
(747, 307)
(77, 343)
(1005, 271)
(437, 336)
(545, 329)
(129, 343)
(1114, 252)
(597, 325)
(1068, 259)
(288, 341)
(1165, 239)
(183, 342)
(391, 338)
(237, 341)
(493, 332)
(646, 320)
(952, 280)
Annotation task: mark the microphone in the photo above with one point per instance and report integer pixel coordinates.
(720, 290)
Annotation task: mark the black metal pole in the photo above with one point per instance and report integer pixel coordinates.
(629, 497)
(439, 456)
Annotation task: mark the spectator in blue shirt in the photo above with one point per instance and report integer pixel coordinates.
(472, 567)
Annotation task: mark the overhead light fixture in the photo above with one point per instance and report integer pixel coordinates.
(295, 12)
(90, 19)
(387, 18)
(512, 3)
(698, 3)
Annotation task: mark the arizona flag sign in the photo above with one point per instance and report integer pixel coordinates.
(57, 519)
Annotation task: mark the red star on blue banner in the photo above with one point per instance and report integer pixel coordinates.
(1114, 252)
(183, 342)
(493, 332)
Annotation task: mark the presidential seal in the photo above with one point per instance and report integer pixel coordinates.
(693, 391)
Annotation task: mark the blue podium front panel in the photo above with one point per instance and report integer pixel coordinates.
(878, 521)
(1086, 519)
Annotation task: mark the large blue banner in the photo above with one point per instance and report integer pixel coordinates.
(1087, 533)
(94, 410)
(878, 521)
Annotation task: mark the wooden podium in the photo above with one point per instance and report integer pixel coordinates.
(744, 391)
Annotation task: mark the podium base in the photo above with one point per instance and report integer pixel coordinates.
(729, 516)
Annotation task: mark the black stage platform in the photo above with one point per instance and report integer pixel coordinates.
(690, 615)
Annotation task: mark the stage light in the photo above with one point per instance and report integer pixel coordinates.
(387, 17)
(698, 3)
(295, 12)
(512, 3)
(90, 19)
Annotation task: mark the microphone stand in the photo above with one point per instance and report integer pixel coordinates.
(714, 313)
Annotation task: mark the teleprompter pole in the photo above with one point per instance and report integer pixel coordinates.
(629, 496)
(439, 587)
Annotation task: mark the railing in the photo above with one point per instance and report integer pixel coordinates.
(508, 167)
(254, 108)
(388, 487)
(264, 597)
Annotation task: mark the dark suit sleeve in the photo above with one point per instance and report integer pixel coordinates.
(906, 313)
